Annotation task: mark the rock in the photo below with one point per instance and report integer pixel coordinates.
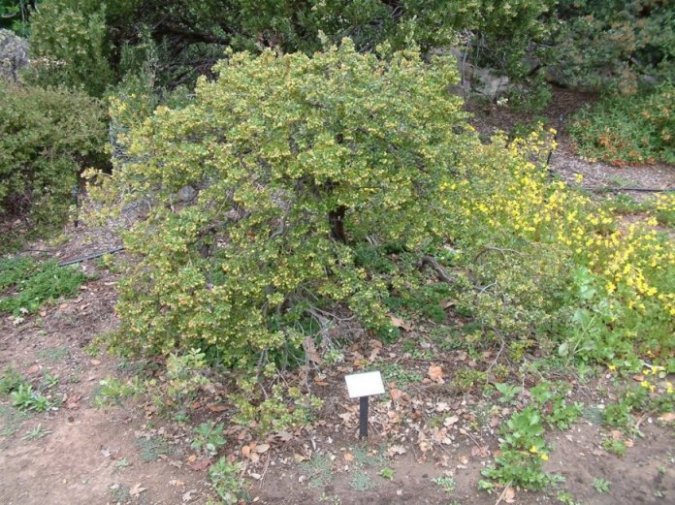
(186, 194)
(13, 55)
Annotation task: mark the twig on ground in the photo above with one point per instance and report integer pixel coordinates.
(503, 495)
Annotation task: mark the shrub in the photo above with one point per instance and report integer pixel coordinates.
(46, 136)
(69, 45)
(291, 162)
(613, 44)
(629, 129)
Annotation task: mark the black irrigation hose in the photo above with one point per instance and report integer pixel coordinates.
(617, 190)
(91, 256)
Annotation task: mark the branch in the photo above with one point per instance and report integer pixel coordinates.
(436, 266)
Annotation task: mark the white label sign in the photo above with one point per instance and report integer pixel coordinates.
(364, 384)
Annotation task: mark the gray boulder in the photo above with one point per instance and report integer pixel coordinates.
(13, 55)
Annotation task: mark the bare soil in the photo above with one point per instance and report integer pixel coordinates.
(102, 455)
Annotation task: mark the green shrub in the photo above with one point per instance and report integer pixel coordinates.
(46, 137)
(69, 45)
(295, 160)
(612, 44)
(629, 129)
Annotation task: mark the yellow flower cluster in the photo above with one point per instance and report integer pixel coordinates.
(635, 263)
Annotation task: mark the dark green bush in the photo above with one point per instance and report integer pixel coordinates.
(69, 45)
(629, 129)
(46, 138)
(612, 44)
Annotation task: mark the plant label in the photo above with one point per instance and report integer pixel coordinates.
(364, 384)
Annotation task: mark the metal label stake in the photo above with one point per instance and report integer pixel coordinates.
(362, 386)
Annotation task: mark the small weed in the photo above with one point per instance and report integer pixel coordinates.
(550, 398)
(151, 448)
(209, 438)
(25, 398)
(35, 433)
(319, 470)
(393, 372)
(121, 464)
(224, 477)
(468, 378)
(566, 498)
(601, 485)
(387, 473)
(446, 483)
(617, 415)
(113, 391)
(49, 381)
(364, 458)
(617, 447)
(54, 354)
(330, 500)
(120, 493)
(486, 485)
(508, 392)
(10, 380)
(11, 420)
(523, 451)
(361, 481)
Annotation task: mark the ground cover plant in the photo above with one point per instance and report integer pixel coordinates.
(603, 132)
(27, 284)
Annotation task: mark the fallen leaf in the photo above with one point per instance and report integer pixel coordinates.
(284, 436)
(348, 456)
(187, 496)
(435, 373)
(310, 350)
(346, 417)
(200, 464)
(509, 495)
(400, 323)
(395, 450)
(449, 421)
(246, 451)
(396, 394)
(262, 448)
(480, 452)
(136, 490)
(668, 417)
(214, 407)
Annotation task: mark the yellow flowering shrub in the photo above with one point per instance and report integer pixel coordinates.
(552, 263)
